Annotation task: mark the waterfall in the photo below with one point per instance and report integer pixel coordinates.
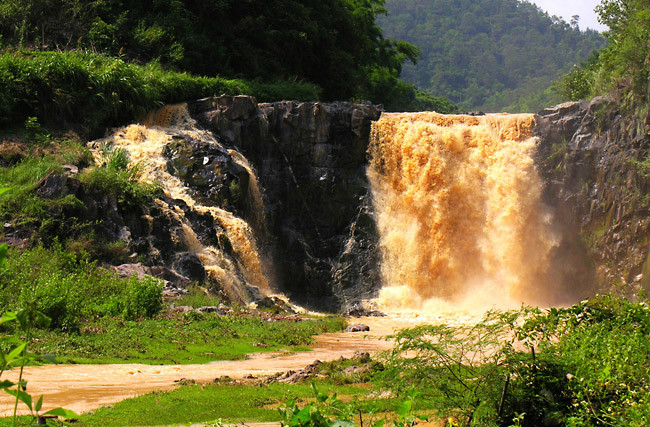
(458, 207)
(145, 144)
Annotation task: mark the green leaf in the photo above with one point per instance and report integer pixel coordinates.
(11, 340)
(4, 247)
(23, 318)
(39, 404)
(379, 423)
(404, 408)
(6, 384)
(22, 396)
(16, 352)
(42, 321)
(303, 416)
(341, 423)
(7, 317)
(61, 412)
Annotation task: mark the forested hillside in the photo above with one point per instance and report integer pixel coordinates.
(490, 55)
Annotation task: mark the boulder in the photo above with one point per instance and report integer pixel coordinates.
(358, 327)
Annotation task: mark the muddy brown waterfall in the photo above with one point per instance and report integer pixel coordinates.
(459, 208)
(166, 149)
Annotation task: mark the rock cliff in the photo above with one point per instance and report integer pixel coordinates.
(596, 163)
(311, 161)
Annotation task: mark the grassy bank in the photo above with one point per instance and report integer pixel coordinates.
(98, 317)
(586, 365)
(95, 91)
(179, 339)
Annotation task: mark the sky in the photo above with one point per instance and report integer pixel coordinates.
(567, 8)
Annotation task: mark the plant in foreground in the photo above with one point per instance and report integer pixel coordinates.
(13, 354)
(330, 411)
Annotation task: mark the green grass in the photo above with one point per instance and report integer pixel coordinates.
(203, 404)
(190, 338)
(70, 288)
(198, 297)
(95, 91)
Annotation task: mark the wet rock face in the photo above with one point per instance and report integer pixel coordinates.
(209, 170)
(591, 157)
(311, 161)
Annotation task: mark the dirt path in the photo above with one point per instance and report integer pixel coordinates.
(85, 387)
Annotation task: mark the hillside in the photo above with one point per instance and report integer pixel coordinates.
(491, 55)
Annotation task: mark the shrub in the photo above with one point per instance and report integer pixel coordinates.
(116, 177)
(143, 298)
(580, 366)
(70, 288)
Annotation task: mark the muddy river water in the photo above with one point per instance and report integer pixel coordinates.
(83, 388)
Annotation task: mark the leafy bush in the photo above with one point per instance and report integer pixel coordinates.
(69, 288)
(580, 366)
(117, 177)
(143, 298)
(623, 67)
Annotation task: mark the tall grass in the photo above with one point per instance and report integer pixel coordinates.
(96, 91)
(69, 288)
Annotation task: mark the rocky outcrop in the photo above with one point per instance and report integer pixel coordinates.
(596, 162)
(311, 161)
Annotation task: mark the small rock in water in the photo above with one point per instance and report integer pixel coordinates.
(359, 327)
(362, 356)
(358, 310)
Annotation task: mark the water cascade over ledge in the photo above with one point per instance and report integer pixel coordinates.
(235, 265)
(459, 212)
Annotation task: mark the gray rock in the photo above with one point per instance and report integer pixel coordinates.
(211, 309)
(586, 156)
(358, 327)
(310, 158)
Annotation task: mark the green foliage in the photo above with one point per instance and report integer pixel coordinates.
(489, 55)
(98, 91)
(143, 298)
(117, 177)
(203, 404)
(62, 215)
(23, 207)
(462, 369)
(14, 354)
(624, 65)
(181, 338)
(642, 167)
(329, 410)
(335, 45)
(627, 58)
(68, 288)
(198, 297)
(580, 366)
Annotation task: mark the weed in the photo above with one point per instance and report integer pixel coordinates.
(13, 353)
(198, 297)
